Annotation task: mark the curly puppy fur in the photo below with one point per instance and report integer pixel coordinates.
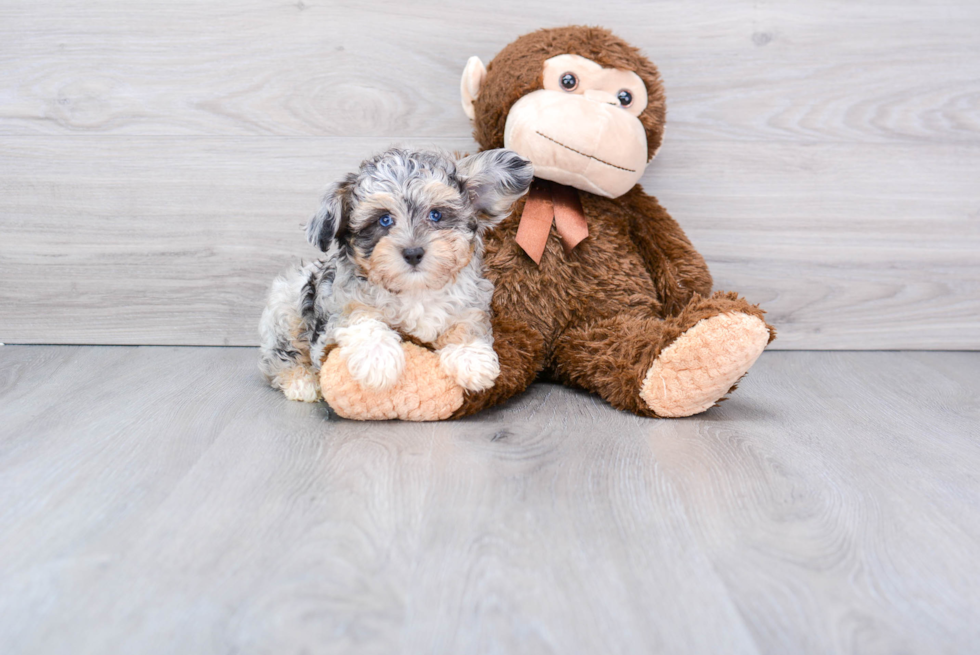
(403, 239)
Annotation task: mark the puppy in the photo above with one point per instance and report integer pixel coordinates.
(404, 254)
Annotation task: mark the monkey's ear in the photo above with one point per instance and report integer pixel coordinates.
(494, 180)
(469, 87)
(330, 220)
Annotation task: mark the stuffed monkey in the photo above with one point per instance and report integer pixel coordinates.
(596, 286)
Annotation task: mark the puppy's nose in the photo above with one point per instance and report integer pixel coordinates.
(413, 255)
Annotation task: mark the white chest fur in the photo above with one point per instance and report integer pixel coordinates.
(422, 316)
(422, 313)
(427, 313)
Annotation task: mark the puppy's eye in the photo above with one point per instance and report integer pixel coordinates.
(568, 81)
(435, 215)
(625, 98)
(386, 221)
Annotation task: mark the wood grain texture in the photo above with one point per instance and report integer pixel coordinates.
(157, 158)
(868, 494)
(796, 71)
(163, 500)
(176, 239)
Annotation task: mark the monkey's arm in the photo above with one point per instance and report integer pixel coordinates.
(677, 269)
(425, 392)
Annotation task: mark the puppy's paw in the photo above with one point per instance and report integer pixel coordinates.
(474, 366)
(374, 354)
(299, 384)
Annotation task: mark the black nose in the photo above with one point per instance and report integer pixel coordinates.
(413, 255)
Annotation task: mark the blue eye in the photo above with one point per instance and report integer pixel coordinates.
(435, 215)
(386, 220)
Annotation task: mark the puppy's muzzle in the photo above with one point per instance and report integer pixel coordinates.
(413, 255)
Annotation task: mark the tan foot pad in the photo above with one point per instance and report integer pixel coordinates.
(424, 392)
(695, 371)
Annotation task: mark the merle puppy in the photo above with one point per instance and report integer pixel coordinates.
(404, 254)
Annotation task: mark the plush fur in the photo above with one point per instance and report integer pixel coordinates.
(404, 244)
(604, 312)
(691, 374)
(424, 392)
(516, 71)
(601, 317)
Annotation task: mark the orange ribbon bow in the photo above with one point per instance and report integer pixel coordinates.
(547, 201)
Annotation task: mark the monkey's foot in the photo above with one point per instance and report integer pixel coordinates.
(703, 364)
(424, 392)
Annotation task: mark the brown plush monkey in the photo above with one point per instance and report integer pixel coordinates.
(596, 286)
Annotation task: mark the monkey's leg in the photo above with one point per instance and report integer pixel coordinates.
(678, 366)
(425, 392)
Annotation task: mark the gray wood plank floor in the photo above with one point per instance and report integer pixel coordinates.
(157, 158)
(163, 500)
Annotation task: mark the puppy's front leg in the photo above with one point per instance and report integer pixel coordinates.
(466, 354)
(373, 352)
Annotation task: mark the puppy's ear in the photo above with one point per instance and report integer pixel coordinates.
(330, 220)
(494, 180)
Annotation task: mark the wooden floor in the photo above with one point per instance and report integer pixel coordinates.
(163, 500)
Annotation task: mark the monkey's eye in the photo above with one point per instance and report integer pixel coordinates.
(625, 98)
(386, 220)
(568, 81)
(435, 215)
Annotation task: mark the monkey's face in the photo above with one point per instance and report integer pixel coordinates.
(419, 237)
(582, 128)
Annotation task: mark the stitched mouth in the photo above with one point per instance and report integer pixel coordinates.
(578, 152)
